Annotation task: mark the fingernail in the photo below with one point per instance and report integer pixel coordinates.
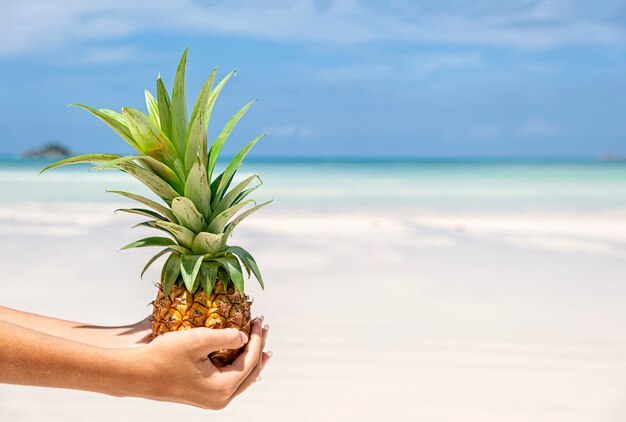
(244, 337)
(266, 327)
(270, 354)
(259, 378)
(261, 318)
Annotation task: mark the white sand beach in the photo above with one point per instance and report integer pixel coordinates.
(394, 316)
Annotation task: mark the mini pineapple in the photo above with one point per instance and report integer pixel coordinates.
(202, 282)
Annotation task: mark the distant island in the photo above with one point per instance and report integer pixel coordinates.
(50, 150)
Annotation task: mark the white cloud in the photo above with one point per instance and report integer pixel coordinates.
(537, 127)
(108, 54)
(32, 25)
(289, 131)
(37, 24)
(414, 67)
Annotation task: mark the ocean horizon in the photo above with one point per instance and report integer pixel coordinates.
(610, 158)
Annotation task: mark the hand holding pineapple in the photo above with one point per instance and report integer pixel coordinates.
(29, 357)
(202, 283)
(181, 358)
(200, 323)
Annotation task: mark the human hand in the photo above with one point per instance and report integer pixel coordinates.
(130, 335)
(175, 366)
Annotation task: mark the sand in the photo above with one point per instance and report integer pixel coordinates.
(398, 316)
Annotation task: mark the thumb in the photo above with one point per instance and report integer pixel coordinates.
(202, 341)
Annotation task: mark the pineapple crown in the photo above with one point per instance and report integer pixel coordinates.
(173, 161)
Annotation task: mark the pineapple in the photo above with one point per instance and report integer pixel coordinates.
(202, 282)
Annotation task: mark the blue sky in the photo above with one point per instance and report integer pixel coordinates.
(334, 77)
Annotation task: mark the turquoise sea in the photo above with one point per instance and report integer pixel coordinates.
(336, 184)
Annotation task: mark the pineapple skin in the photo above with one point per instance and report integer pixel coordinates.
(183, 310)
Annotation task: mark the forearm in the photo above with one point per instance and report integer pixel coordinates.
(29, 357)
(71, 330)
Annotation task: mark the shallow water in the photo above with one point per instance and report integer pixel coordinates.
(447, 185)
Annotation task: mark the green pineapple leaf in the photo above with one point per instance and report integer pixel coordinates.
(153, 108)
(82, 159)
(233, 166)
(163, 171)
(150, 179)
(112, 164)
(244, 265)
(170, 272)
(196, 282)
(219, 222)
(150, 224)
(163, 210)
(114, 123)
(197, 142)
(232, 267)
(189, 268)
(187, 214)
(208, 275)
(182, 235)
(165, 111)
(245, 193)
(202, 101)
(201, 212)
(149, 241)
(214, 184)
(143, 212)
(179, 249)
(179, 108)
(231, 226)
(151, 138)
(208, 244)
(231, 196)
(215, 92)
(197, 137)
(248, 261)
(197, 188)
(151, 261)
(114, 115)
(216, 148)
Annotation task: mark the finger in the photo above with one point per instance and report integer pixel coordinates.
(266, 358)
(246, 362)
(201, 341)
(255, 374)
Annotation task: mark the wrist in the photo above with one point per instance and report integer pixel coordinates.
(127, 375)
(137, 375)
